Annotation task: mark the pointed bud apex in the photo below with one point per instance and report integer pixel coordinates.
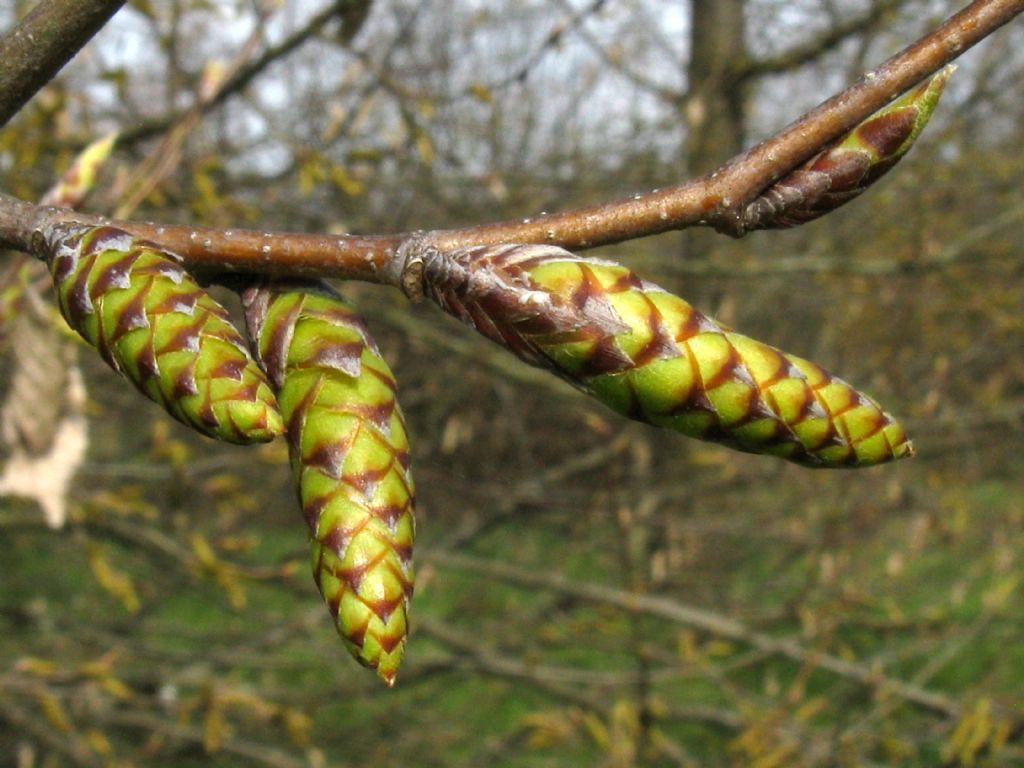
(350, 455)
(652, 357)
(152, 323)
(844, 170)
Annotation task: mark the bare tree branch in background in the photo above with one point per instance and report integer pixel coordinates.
(352, 14)
(707, 621)
(818, 45)
(574, 19)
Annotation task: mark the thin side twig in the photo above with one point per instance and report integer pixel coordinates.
(29, 723)
(710, 622)
(244, 74)
(255, 753)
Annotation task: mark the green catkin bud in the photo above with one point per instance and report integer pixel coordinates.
(350, 455)
(152, 322)
(652, 357)
(848, 167)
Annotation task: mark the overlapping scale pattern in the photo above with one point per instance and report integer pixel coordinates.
(350, 454)
(844, 170)
(652, 357)
(153, 323)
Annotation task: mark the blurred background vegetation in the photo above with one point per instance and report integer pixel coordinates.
(589, 591)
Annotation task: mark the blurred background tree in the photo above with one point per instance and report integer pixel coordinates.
(590, 591)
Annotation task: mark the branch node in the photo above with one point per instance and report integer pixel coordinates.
(409, 262)
(732, 222)
(43, 219)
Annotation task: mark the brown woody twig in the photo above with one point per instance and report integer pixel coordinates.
(715, 200)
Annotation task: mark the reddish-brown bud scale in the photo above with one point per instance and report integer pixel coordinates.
(350, 455)
(652, 357)
(849, 166)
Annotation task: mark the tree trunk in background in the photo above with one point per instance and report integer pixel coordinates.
(714, 107)
(713, 110)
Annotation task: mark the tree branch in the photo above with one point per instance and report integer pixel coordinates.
(716, 200)
(706, 621)
(71, 747)
(561, 682)
(816, 47)
(47, 39)
(256, 753)
(247, 72)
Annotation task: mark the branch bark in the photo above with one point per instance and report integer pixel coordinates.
(717, 199)
(47, 39)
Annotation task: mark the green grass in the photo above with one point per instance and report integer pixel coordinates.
(907, 582)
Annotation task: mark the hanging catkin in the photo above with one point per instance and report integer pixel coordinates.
(350, 455)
